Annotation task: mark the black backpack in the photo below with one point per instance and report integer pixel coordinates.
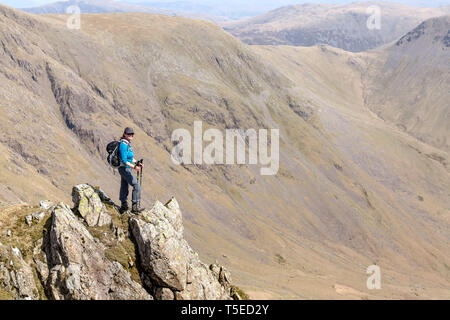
(113, 157)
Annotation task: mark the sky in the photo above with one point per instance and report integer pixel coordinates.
(268, 3)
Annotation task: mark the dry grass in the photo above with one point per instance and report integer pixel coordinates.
(22, 236)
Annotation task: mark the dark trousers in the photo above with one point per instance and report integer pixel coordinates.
(128, 179)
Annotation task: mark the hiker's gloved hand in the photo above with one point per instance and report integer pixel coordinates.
(140, 163)
(138, 168)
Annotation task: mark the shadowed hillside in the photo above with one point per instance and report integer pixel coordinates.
(341, 26)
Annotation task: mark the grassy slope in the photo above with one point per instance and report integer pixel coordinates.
(411, 91)
(391, 167)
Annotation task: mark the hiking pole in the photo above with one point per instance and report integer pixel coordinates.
(139, 163)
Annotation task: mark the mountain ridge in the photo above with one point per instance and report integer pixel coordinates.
(306, 25)
(92, 6)
(107, 6)
(421, 56)
(351, 190)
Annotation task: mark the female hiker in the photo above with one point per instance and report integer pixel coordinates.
(127, 164)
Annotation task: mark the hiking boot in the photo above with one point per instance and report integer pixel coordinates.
(124, 208)
(135, 209)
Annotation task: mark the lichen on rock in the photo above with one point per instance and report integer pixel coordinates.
(16, 276)
(89, 205)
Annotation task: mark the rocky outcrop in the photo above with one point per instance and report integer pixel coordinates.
(162, 249)
(303, 110)
(37, 216)
(174, 270)
(78, 266)
(46, 205)
(103, 196)
(73, 260)
(45, 208)
(16, 276)
(89, 205)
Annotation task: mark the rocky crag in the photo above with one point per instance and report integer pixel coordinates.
(80, 254)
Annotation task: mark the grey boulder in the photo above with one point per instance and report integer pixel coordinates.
(89, 205)
(173, 268)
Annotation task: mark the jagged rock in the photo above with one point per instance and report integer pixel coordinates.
(120, 234)
(215, 270)
(40, 262)
(221, 274)
(90, 206)
(235, 295)
(42, 270)
(225, 278)
(169, 261)
(29, 220)
(174, 215)
(123, 287)
(164, 294)
(71, 264)
(177, 295)
(201, 282)
(78, 266)
(162, 249)
(147, 282)
(102, 195)
(37, 216)
(46, 204)
(16, 276)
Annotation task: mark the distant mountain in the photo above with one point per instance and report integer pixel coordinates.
(412, 91)
(228, 10)
(106, 6)
(93, 6)
(212, 10)
(189, 10)
(341, 26)
(424, 3)
(186, 6)
(238, 9)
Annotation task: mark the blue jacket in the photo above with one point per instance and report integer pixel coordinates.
(126, 152)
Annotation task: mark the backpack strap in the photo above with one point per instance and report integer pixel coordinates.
(126, 142)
